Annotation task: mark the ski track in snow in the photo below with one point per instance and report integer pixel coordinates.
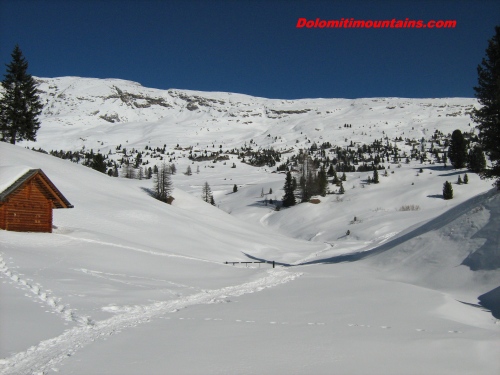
(305, 323)
(52, 301)
(43, 357)
(114, 277)
(151, 252)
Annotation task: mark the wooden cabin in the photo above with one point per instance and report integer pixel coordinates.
(26, 204)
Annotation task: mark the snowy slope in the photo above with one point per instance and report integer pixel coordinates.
(116, 290)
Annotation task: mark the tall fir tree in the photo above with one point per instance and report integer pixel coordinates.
(457, 152)
(289, 197)
(322, 181)
(488, 116)
(20, 105)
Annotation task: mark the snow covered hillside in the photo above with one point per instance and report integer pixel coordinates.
(382, 279)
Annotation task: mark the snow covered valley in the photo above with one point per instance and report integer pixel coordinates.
(127, 284)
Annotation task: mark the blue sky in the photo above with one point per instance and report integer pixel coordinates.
(253, 47)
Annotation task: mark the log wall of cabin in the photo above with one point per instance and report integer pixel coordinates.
(28, 209)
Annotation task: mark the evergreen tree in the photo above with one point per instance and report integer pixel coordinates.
(344, 177)
(447, 191)
(488, 116)
(459, 180)
(476, 161)
(235, 188)
(466, 179)
(335, 179)
(212, 201)
(20, 104)
(188, 171)
(98, 163)
(206, 193)
(289, 197)
(457, 152)
(375, 179)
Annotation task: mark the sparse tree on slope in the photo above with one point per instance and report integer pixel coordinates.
(20, 104)
(206, 193)
(488, 116)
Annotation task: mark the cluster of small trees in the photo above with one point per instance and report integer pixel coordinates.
(162, 183)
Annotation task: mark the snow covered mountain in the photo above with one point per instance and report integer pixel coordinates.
(127, 284)
(102, 113)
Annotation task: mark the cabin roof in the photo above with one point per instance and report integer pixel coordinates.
(17, 182)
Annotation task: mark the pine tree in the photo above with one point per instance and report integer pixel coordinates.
(375, 179)
(488, 116)
(235, 188)
(466, 179)
(20, 105)
(457, 152)
(459, 180)
(447, 191)
(344, 177)
(476, 161)
(289, 197)
(188, 171)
